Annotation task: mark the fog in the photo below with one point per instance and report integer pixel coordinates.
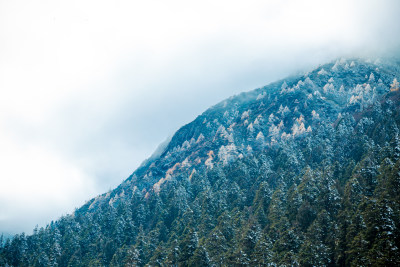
(90, 88)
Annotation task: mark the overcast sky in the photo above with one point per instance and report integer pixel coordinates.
(90, 88)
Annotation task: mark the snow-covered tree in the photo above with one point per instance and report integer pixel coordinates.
(284, 85)
(315, 115)
(322, 72)
(245, 115)
(260, 140)
(227, 153)
(328, 88)
(371, 78)
(395, 85)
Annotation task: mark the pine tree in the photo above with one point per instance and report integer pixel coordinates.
(188, 245)
(200, 258)
(262, 253)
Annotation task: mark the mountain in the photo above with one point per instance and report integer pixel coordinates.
(301, 172)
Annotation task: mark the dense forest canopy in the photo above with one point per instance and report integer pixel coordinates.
(302, 172)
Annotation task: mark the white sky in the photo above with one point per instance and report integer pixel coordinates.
(90, 88)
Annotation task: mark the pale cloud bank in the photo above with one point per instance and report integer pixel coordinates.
(90, 88)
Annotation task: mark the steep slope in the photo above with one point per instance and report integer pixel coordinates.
(303, 171)
(258, 119)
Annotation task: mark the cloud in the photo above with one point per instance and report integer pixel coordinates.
(90, 88)
(36, 185)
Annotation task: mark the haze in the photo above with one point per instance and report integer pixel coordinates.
(90, 88)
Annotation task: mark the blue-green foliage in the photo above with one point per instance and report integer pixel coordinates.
(301, 172)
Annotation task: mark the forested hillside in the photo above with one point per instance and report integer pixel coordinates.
(302, 172)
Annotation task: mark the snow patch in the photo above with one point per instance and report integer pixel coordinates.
(261, 96)
(284, 85)
(250, 128)
(322, 72)
(230, 128)
(191, 174)
(209, 160)
(227, 153)
(283, 110)
(395, 85)
(200, 138)
(285, 136)
(371, 77)
(335, 67)
(245, 114)
(185, 163)
(257, 120)
(328, 88)
(315, 115)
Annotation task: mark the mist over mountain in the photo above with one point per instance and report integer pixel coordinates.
(90, 88)
(301, 172)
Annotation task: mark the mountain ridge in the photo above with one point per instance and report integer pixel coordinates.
(292, 173)
(253, 94)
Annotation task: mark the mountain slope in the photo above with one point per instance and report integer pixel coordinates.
(300, 172)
